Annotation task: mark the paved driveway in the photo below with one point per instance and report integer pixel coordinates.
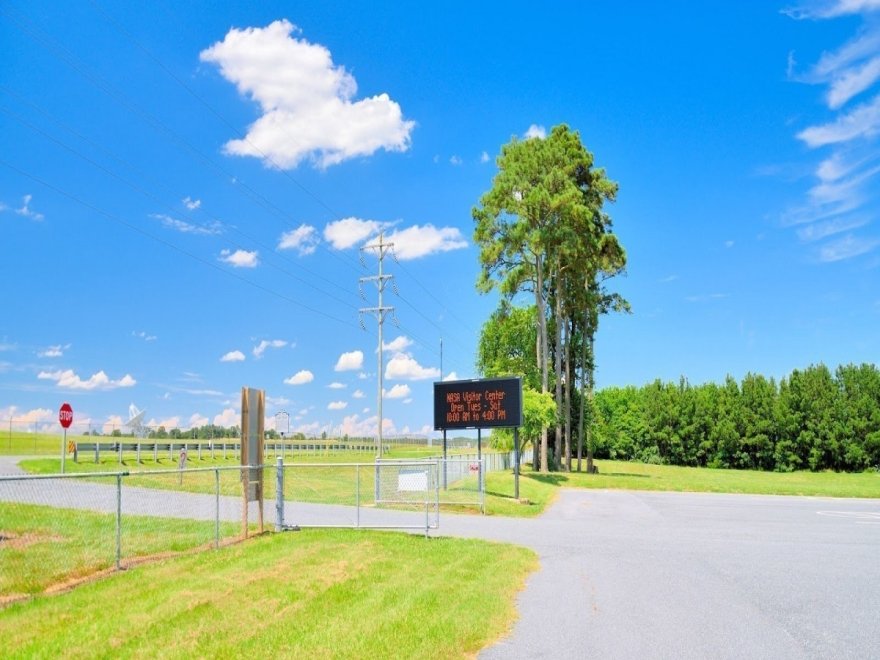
(671, 575)
(644, 575)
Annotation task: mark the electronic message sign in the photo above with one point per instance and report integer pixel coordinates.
(478, 404)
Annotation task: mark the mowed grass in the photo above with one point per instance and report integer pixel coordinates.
(541, 489)
(537, 491)
(327, 483)
(310, 594)
(41, 546)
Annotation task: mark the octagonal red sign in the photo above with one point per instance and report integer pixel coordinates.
(65, 415)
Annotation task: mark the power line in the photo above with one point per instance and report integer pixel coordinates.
(153, 197)
(117, 219)
(26, 26)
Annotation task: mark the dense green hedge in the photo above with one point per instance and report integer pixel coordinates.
(811, 420)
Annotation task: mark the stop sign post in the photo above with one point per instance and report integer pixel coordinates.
(65, 418)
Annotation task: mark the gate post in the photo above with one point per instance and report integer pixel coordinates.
(279, 493)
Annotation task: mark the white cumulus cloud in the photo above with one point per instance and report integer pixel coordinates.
(358, 394)
(229, 417)
(535, 131)
(348, 232)
(67, 379)
(420, 241)
(304, 239)
(300, 378)
(233, 356)
(240, 258)
(337, 405)
(336, 386)
(354, 426)
(399, 391)
(397, 345)
(196, 420)
(405, 367)
(351, 361)
(308, 103)
(191, 204)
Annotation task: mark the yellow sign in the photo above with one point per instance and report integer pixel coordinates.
(71, 446)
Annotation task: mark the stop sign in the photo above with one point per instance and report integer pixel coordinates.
(65, 415)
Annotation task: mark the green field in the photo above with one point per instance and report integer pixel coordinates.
(317, 593)
(540, 489)
(337, 485)
(43, 546)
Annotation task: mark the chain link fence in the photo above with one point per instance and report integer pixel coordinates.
(57, 529)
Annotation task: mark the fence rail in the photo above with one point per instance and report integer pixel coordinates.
(57, 527)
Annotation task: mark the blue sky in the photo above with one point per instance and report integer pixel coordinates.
(184, 189)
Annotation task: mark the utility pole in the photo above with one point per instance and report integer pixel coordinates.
(380, 312)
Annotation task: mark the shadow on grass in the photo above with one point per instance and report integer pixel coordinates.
(626, 474)
(553, 479)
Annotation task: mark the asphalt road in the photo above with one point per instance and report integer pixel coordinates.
(629, 574)
(671, 575)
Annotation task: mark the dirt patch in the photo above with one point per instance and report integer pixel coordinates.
(70, 583)
(13, 541)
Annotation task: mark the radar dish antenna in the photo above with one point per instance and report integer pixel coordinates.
(136, 420)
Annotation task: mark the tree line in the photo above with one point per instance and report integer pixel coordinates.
(813, 419)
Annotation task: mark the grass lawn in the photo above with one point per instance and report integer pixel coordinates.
(310, 594)
(327, 484)
(540, 489)
(337, 485)
(42, 546)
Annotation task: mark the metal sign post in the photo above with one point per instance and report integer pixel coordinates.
(65, 418)
(478, 404)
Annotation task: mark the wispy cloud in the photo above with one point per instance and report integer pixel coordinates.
(830, 8)
(706, 297)
(53, 351)
(26, 211)
(143, 335)
(191, 204)
(819, 230)
(847, 247)
(260, 348)
(484, 157)
(861, 122)
(212, 229)
(843, 195)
